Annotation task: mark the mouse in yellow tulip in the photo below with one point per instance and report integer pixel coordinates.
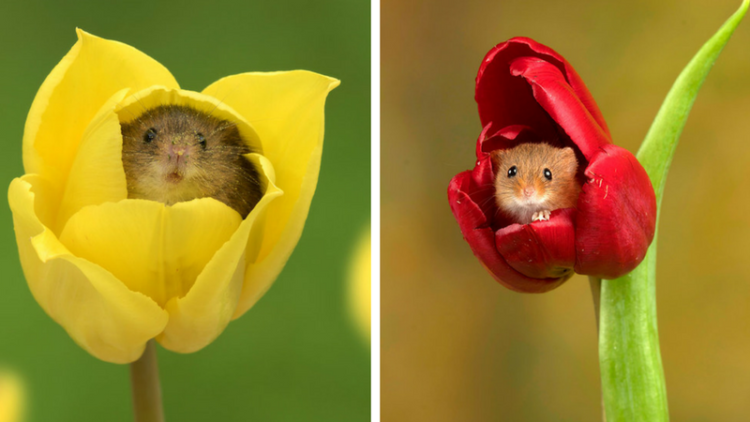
(175, 153)
(532, 180)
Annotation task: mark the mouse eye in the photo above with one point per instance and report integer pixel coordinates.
(512, 171)
(150, 135)
(547, 174)
(201, 139)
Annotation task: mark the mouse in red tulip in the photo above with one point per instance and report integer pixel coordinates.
(532, 180)
(175, 153)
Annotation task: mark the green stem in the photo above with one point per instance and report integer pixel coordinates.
(596, 294)
(630, 361)
(633, 384)
(144, 380)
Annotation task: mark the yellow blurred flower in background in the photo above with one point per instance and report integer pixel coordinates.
(11, 398)
(359, 284)
(117, 272)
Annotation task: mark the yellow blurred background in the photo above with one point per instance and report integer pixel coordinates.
(12, 393)
(457, 346)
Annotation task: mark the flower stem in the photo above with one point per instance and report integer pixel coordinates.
(630, 362)
(596, 293)
(144, 380)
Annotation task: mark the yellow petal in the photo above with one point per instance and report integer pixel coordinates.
(95, 308)
(196, 319)
(287, 111)
(152, 248)
(75, 90)
(155, 96)
(97, 175)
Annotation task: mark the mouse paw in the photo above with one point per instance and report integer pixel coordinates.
(540, 216)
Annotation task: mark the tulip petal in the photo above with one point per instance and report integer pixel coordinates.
(542, 249)
(501, 98)
(481, 238)
(616, 215)
(152, 248)
(97, 175)
(196, 319)
(90, 74)
(559, 100)
(506, 138)
(103, 316)
(287, 110)
(138, 103)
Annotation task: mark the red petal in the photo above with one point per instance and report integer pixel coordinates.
(558, 99)
(481, 238)
(542, 249)
(616, 215)
(466, 210)
(504, 101)
(505, 138)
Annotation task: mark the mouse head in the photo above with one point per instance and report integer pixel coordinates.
(530, 175)
(170, 151)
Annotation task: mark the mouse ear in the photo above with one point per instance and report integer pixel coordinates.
(568, 152)
(497, 157)
(569, 155)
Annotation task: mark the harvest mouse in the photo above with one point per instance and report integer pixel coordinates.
(533, 180)
(176, 153)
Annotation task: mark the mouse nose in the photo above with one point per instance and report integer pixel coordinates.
(529, 191)
(177, 151)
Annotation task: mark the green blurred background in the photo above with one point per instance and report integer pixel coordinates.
(459, 347)
(296, 356)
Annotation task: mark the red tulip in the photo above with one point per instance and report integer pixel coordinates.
(526, 92)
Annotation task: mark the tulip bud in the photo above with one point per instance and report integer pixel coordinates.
(526, 92)
(115, 271)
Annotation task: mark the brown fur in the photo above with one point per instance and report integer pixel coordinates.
(530, 161)
(175, 166)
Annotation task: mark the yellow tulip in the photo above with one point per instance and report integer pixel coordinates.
(359, 285)
(117, 272)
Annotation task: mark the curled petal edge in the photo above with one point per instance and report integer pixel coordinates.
(101, 315)
(611, 240)
(535, 49)
(196, 319)
(562, 104)
(542, 249)
(482, 240)
(287, 110)
(93, 70)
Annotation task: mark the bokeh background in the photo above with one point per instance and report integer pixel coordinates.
(457, 346)
(297, 355)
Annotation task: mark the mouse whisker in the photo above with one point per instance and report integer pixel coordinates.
(230, 124)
